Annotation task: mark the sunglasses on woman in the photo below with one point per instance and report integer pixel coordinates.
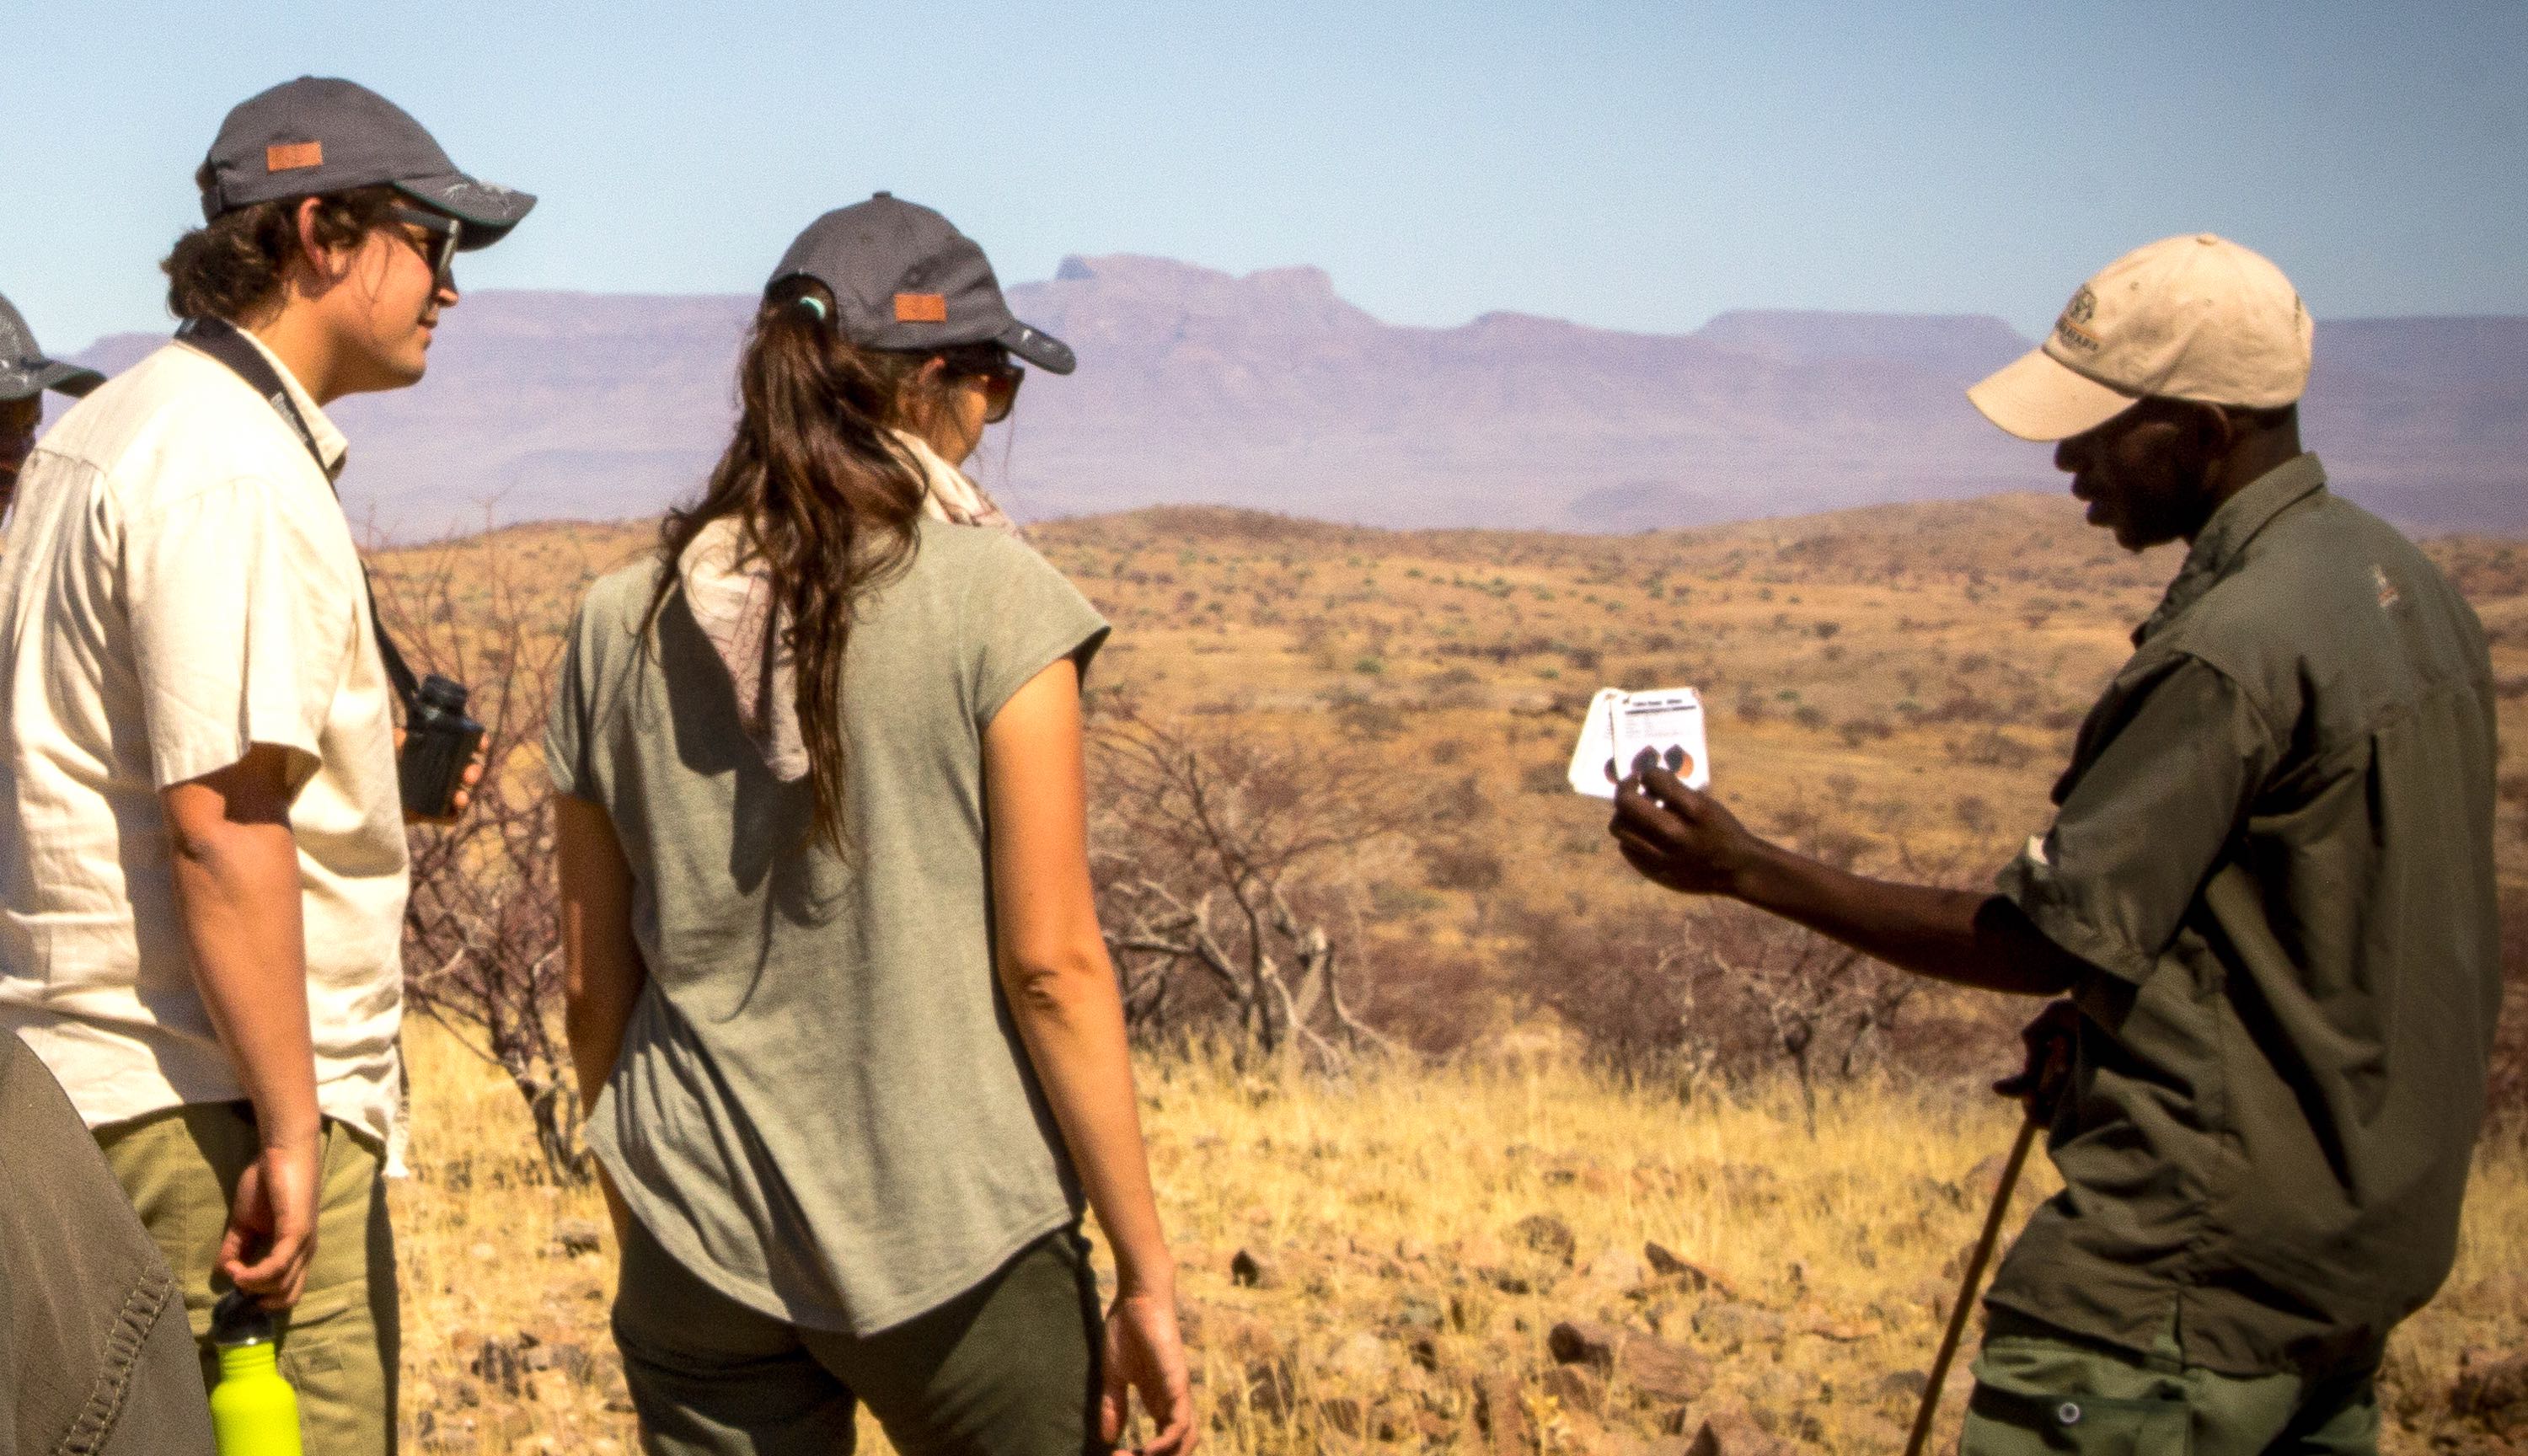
(440, 251)
(990, 366)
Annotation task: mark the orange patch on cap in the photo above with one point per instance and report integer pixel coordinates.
(291, 156)
(921, 308)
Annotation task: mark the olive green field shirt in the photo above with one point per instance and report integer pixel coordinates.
(2274, 846)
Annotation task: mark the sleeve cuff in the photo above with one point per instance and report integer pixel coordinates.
(2031, 884)
(182, 758)
(1081, 648)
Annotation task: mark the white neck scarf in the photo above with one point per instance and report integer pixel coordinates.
(729, 590)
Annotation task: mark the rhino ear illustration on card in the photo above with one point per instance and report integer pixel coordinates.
(1593, 760)
(1663, 728)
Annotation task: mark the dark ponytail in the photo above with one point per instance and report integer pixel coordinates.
(820, 497)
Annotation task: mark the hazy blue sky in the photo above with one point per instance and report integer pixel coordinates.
(1630, 165)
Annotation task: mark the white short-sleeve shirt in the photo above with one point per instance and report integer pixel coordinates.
(180, 583)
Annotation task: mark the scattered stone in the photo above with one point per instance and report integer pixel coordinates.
(1843, 1332)
(1576, 1387)
(1732, 1432)
(1417, 1309)
(510, 1362)
(1728, 1327)
(1617, 1268)
(1252, 1270)
(1545, 1234)
(1903, 1384)
(1668, 1266)
(1578, 1171)
(576, 1237)
(1649, 1364)
(1585, 1342)
(1502, 1417)
(1364, 1357)
(2493, 1394)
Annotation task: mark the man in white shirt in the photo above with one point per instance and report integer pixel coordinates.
(202, 865)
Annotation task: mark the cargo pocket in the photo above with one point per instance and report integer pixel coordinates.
(2004, 1422)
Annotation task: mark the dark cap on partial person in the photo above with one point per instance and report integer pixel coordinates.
(903, 277)
(24, 372)
(317, 135)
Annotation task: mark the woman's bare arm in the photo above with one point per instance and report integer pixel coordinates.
(602, 968)
(1063, 996)
(602, 972)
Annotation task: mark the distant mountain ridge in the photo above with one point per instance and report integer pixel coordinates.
(1271, 391)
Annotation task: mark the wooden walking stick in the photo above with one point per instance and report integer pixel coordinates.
(2050, 1040)
(1966, 1288)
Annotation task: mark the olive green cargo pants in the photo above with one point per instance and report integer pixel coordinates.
(2037, 1390)
(1010, 1368)
(340, 1346)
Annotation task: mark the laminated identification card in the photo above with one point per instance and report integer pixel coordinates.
(1621, 726)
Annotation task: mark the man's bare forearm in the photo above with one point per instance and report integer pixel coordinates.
(237, 895)
(1965, 936)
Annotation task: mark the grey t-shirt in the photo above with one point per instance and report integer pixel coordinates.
(822, 1107)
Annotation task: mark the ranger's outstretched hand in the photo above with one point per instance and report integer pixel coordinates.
(1679, 838)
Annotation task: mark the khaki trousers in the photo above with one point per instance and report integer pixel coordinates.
(338, 1347)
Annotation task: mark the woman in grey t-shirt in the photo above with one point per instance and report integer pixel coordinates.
(841, 1010)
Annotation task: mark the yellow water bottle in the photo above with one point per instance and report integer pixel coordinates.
(253, 1410)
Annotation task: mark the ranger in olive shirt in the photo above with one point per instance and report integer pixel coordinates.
(2268, 889)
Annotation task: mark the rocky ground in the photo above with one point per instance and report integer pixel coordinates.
(1495, 1257)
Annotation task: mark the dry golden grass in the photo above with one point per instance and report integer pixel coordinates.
(1911, 675)
(1384, 1205)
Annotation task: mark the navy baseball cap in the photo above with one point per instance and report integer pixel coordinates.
(903, 277)
(24, 372)
(317, 135)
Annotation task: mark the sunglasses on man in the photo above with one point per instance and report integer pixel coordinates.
(440, 251)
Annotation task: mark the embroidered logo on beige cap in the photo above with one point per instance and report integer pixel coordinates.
(2194, 317)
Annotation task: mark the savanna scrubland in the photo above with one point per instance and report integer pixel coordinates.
(1467, 1139)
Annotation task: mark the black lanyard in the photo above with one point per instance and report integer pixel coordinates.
(219, 339)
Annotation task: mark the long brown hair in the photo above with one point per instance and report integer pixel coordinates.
(821, 495)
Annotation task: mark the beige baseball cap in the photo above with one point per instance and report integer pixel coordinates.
(2196, 316)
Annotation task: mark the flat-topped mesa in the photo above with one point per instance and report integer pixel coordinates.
(1128, 295)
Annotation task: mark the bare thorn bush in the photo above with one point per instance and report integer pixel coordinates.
(481, 936)
(1231, 869)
